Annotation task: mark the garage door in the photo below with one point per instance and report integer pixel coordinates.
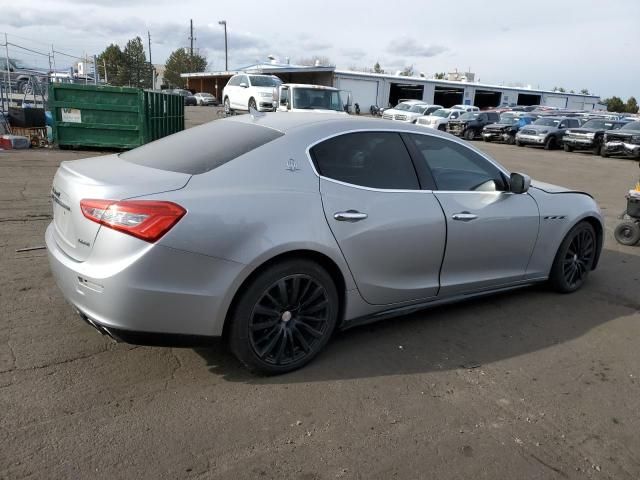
(558, 102)
(575, 104)
(363, 92)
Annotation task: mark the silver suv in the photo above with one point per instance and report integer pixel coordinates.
(546, 132)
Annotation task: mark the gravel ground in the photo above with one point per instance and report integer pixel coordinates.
(529, 384)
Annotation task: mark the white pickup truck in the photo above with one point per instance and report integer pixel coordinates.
(298, 97)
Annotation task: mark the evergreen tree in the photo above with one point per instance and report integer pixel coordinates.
(181, 62)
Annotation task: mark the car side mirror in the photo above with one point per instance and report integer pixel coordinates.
(519, 182)
(244, 85)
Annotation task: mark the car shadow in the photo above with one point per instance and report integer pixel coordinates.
(465, 335)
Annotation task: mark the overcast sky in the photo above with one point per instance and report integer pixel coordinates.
(574, 44)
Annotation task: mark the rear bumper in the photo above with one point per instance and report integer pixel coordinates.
(161, 291)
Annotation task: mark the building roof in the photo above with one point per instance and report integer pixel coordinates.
(264, 68)
(457, 83)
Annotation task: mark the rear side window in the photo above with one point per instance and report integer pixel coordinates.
(201, 149)
(367, 159)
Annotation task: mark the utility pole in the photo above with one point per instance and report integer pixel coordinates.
(153, 77)
(226, 56)
(191, 39)
(6, 47)
(95, 70)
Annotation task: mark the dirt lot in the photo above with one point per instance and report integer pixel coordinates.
(525, 385)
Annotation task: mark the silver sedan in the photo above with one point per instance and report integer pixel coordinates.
(279, 229)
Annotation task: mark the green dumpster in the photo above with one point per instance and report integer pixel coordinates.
(112, 117)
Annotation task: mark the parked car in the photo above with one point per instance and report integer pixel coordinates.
(439, 118)
(466, 108)
(505, 130)
(189, 98)
(624, 141)
(243, 92)
(153, 246)
(401, 110)
(205, 98)
(415, 112)
(23, 77)
(590, 135)
(546, 132)
(470, 124)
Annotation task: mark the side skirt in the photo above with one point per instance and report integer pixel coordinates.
(408, 309)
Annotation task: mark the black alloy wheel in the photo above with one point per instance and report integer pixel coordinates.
(252, 104)
(284, 317)
(289, 320)
(574, 259)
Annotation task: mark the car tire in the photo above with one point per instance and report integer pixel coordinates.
(627, 233)
(469, 134)
(511, 140)
(567, 148)
(574, 259)
(442, 128)
(227, 106)
(603, 152)
(597, 149)
(252, 104)
(550, 143)
(297, 303)
(519, 144)
(486, 139)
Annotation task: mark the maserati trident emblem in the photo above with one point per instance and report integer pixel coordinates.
(292, 166)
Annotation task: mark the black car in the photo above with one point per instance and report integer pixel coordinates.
(470, 124)
(189, 98)
(624, 141)
(589, 136)
(505, 130)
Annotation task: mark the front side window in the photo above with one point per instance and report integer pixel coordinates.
(457, 168)
(368, 159)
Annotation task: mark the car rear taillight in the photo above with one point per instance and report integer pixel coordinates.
(147, 220)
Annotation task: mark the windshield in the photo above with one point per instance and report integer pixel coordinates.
(316, 98)
(442, 113)
(263, 81)
(418, 108)
(508, 118)
(13, 62)
(631, 126)
(599, 125)
(547, 122)
(403, 106)
(469, 116)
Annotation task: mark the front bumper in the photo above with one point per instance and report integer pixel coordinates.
(495, 135)
(457, 130)
(160, 290)
(531, 139)
(622, 148)
(586, 143)
(265, 106)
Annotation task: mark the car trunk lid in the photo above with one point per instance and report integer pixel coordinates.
(106, 177)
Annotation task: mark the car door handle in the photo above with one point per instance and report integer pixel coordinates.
(464, 216)
(350, 216)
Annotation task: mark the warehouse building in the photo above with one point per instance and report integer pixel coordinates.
(386, 90)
